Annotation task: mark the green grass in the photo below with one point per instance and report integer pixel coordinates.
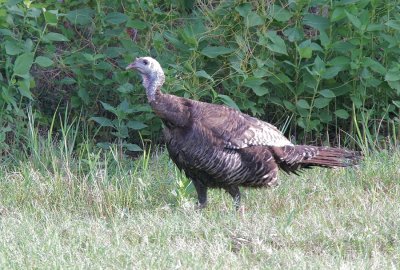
(97, 209)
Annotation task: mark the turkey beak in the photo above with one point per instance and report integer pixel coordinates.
(132, 66)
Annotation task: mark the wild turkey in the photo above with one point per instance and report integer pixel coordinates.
(218, 146)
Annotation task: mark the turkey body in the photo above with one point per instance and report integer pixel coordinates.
(219, 147)
(206, 156)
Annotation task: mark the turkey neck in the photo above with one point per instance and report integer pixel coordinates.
(168, 107)
(152, 83)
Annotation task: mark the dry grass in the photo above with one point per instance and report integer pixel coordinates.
(111, 213)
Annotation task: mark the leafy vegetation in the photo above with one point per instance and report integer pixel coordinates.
(325, 71)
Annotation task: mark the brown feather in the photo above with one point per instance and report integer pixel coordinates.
(221, 147)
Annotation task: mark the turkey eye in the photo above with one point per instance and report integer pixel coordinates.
(145, 62)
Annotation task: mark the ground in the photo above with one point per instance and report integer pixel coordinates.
(107, 211)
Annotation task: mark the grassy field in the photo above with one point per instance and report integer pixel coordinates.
(95, 209)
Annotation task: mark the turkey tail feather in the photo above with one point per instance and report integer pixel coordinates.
(293, 158)
(330, 157)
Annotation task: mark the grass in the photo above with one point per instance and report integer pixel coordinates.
(98, 209)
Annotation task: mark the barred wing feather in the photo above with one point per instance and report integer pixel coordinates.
(237, 130)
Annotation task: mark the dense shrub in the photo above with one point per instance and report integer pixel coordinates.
(317, 69)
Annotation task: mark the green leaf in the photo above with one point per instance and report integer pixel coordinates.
(374, 65)
(321, 102)
(342, 90)
(137, 24)
(372, 81)
(342, 114)
(50, 17)
(203, 74)
(84, 95)
(98, 74)
(228, 101)
(397, 103)
(104, 145)
(260, 90)
(301, 122)
(32, 12)
(354, 20)
(136, 125)
(325, 40)
(392, 40)
(82, 16)
(314, 46)
(253, 82)
(279, 13)
(289, 105)
(214, 51)
(102, 121)
(338, 14)
(171, 37)
(325, 116)
(116, 18)
(125, 88)
(68, 81)
(76, 101)
(293, 34)
(108, 107)
(260, 72)
(395, 85)
(89, 57)
(375, 27)
(279, 78)
(331, 72)
(255, 85)
(392, 75)
(125, 108)
(305, 53)
(24, 88)
(395, 24)
(55, 37)
(339, 61)
(28, 46)
(278, 44)
(43, 61)
(132, 147)
(12, 2)
(12, 48)
(315, 21)
(113, 52)
(6, 32)
(357, 101)
(327, 93)
(244, 9)
(98, 56)
(319, 65)
(23, 64)
(7, 96)
(343, 46)
(303, 104)
(254, 19)
(122, 132)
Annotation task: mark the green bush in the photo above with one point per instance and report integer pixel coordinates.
(325, 71)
